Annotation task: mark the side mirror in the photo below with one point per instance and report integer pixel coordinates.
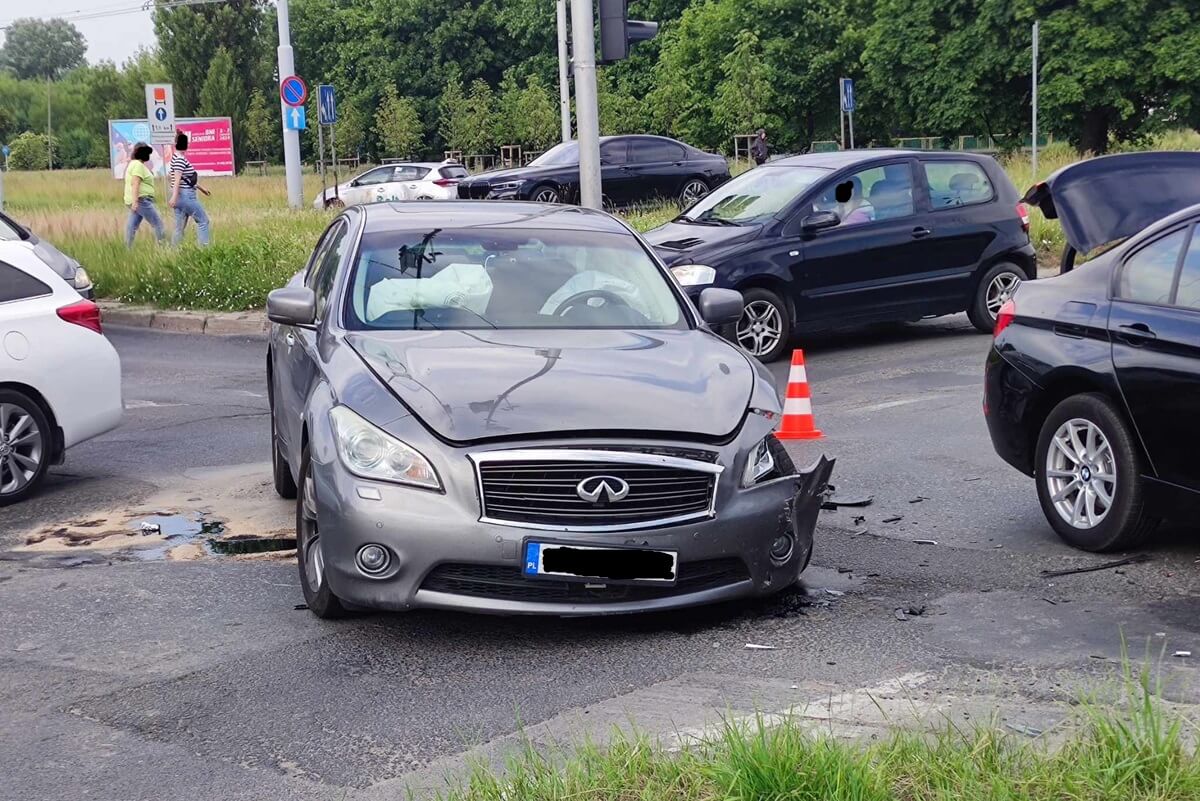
(721, 306)
(292, 305)
(819, 221)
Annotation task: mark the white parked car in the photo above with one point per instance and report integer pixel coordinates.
(60, 378)
(417, 180)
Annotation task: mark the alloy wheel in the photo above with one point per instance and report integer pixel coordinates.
(309, 543)
(22, 448)
(760, 327)
(545, 195)
(1081, 473)
(692, 191)
(1000, 290)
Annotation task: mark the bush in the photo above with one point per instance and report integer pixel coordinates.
(29, 151)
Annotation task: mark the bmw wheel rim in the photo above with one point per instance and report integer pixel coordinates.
(760, 327)
(1000, 290)
(22, 448)
(546, 196)
(1081, 473)
(693, 191)
(310, 538)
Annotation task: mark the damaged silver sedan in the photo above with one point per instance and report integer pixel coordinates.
(513, 408)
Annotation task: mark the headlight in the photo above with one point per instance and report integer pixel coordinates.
(507, 185)
(81, 280)
(760, 463)
(694, 274)
(368, 452)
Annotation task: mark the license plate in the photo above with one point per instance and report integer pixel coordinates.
(599, 564)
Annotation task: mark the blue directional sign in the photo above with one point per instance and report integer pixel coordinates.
(294, 119)
(326, 105)
(293, 90)
(5, 150)
(847, 92)
(160, 114)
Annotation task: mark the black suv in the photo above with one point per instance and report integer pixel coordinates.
(842, 239)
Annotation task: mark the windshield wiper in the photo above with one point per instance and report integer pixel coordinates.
(683, 218)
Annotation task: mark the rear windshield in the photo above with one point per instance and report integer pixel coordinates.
(453, 172)
(507, 278)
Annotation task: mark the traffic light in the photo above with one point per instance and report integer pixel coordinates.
(617, 31)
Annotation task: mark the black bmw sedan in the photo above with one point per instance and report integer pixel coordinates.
(1093, 381)
(633, 169)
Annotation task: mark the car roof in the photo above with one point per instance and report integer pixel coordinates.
(427, 214)
(837, 159)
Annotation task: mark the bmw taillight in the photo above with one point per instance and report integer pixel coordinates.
(446, 182)
(84, 313)
(1004, 317)
(1023, 213)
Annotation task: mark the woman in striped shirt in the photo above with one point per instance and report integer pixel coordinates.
(186, 183)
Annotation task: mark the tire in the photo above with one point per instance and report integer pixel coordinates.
(761, 343)
(317, 594)
(26, 446)
(545, 193)
(996, 286)
(1081, 517)
(692, 190)
(335, 203)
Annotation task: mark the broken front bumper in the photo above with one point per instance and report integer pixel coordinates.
(445, 557)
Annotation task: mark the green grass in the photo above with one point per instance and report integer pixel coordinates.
(1130, 751)
(258, 244)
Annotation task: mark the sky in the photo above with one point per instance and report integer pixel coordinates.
(115, 37)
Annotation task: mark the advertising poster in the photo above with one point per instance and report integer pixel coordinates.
(210, 149)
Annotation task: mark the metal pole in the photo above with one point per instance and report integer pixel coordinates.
(333, 158)
(291, 139)
(1035, 88)
(564, 65)
(842, 120)
(3, 170)
(49, 133)
(587, 112)
(321, 157)
(850, 117)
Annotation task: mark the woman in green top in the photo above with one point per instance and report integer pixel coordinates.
(139, 194)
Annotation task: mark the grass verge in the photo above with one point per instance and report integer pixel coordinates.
(1131, 751)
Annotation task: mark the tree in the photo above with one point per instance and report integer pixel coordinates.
(537, 115)
(398, 125)
(262, 126)
(744, 98)
(224, 95)
(508, 124)
(29, 151)
(45, 49)
(453, 118)
(350, 130)
(479, 118)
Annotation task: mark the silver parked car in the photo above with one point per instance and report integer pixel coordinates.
(513, 408)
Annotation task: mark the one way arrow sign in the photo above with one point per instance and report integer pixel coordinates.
(293, 118)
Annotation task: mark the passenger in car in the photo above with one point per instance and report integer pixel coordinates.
(852, 206)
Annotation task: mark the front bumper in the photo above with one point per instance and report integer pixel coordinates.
(445, 557)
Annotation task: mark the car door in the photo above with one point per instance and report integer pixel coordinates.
(1154, 325)
(863, 267)
(657, 168)
(616, 176)
(298, 357)
(364, 188)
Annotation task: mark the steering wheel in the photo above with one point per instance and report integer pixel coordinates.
(581, 298)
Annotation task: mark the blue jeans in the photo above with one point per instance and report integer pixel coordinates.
(188, 205)
(145, 211)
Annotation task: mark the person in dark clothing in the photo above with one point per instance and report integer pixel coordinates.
(758, 149)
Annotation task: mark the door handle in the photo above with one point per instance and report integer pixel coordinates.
(1137, 331)
(921, 232)
(290, 339)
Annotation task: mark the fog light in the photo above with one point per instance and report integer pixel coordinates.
(373, 559)
(781, 547)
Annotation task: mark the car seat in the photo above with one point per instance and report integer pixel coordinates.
(891, 199)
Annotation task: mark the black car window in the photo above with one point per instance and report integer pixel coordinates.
(18, 285)
(324, 269)
(654, 151)
(957, 183)
(613, 152)
(1149, 273)
(877, 193)
(453, 172)
(1188, 293)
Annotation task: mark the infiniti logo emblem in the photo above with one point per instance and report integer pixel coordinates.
(602, 489)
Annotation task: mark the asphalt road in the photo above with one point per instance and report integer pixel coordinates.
(130, 679)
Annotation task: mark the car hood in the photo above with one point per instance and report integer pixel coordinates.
(472, 385)
(1105, 199)
(681, 242)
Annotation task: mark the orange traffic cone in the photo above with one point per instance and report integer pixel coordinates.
(797, 405)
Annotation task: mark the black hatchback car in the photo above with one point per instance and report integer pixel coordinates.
(633, 169)
(862, 236)
(1093, 381)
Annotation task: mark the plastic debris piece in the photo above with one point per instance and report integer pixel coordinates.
(925, 542)
(834, 593)
(150, 528)
(751, 646)
(895, 519)
(1183, 654)
(1130, 560)
(1028, 731)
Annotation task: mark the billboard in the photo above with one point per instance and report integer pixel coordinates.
(210, 147)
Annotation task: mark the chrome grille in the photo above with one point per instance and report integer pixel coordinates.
(539, 488)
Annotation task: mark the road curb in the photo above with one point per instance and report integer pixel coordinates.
(249, 323)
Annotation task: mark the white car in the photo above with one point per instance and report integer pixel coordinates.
(416, 180)
(60, 377)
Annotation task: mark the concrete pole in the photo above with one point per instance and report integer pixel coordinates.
(291, 139)
(1035, 88)
(564, 64)
(587, 112)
